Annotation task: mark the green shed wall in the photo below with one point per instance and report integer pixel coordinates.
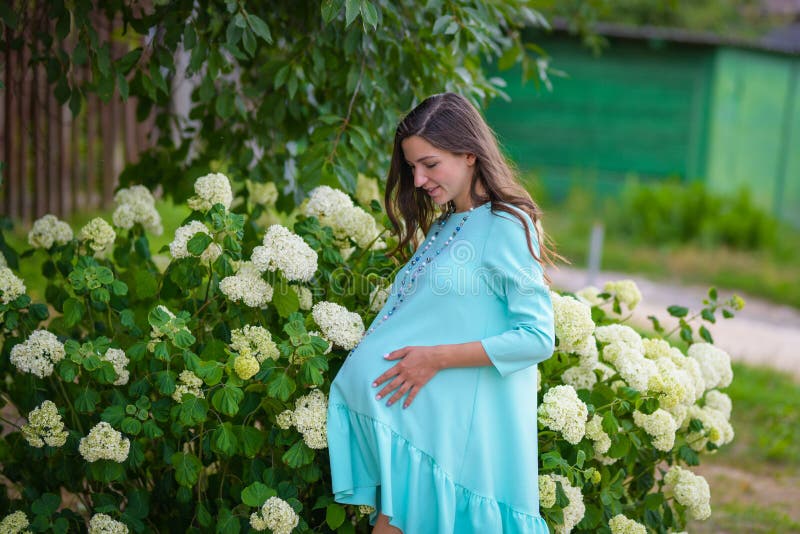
(638, 108)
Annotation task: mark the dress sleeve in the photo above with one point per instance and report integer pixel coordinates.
(517, 279)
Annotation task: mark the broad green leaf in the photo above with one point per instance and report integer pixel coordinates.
(193, 410)
(299, 454)
(198, 243)
(260, 28)
(223, 440)
(334, 515)
(281, 386)
(257, 494)
(46, 504)
(227, 399)
(251, 439)
(187, 468)
(678, 311)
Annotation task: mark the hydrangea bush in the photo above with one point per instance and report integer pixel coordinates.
(185, 390)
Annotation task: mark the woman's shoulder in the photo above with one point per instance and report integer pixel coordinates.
(510, 213)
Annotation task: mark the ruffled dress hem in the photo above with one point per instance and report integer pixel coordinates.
(387, 472)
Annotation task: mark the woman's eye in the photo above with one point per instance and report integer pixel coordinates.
(432, 165)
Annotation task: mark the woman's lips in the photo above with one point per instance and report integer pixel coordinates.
(433, 191)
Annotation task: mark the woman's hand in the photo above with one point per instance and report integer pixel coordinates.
(416, 367)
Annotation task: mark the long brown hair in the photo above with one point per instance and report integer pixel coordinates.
(450, 122)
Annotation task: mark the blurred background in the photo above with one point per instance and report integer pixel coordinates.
(661, 138)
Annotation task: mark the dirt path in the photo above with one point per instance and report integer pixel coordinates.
(763, 333)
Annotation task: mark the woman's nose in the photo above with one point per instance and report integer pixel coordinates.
(419, 178)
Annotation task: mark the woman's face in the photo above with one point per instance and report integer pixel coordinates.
(441, 174)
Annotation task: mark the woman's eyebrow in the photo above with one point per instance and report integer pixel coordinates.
(422, 158)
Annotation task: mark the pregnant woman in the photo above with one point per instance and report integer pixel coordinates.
(432, 417)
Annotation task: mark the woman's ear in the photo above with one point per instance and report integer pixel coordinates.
(471, 159)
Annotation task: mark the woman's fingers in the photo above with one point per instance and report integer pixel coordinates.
(400, 392)
(410, 398)
(391, 386)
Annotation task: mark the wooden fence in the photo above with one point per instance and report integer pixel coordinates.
(54, 162)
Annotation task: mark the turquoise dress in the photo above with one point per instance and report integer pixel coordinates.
(462, 458)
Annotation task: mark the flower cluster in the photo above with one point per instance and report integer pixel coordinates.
(11, 286)
(310, 416)
(378, 297)
(575, 510)
(601, 440)
(136, 204)
(263, 193)
(564, 412)
(367, 190)
(120, 362)
(255, 341)
(660, 426)
(189, 383)
(547, 491)
(304, 297)
(48, 231)
(285, 250)
(619, 524)
(245, 366)
(15, 523)
(716, 429)
(214, 188)
(276, 515)
(99, 235)
(247, 286)
(104, 524)
(44, 426)
(342, 327)
(104, 443)
(715, 365)
(690, 490)
(178, 247)
(626, 291)
(335, 208)
(38, 354)
(573, 322)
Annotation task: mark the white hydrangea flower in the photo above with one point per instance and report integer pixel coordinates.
(575, 510)
(276, 515)
(719, 401)
(310, 418)
(355, 223)
(343, 327)
(573, 322)
(695, 384)
(606, 372)
(11, 286)
(104, 443)
(660, 426)
(367, 189)
(365, 509)
(104, 524)
(671, 385)
(564, 412)
(632, 366)
(178, 247)
(98, 234)
(47, 231)
(579, 377)
(255, 341)
(188, 383)
(304, 296)
(538, 380)
(715, 365)
(547, 491)
(285, 419)
(589, 296)
(247, 286)
(716, 428)
(263, 193)
(136, 204)
(656, 349)
(15, 523)
(213, 188)
(595, 432)
(287, 251)
(323, 201)
(588, 353)
(38, 354)
(626, 292)
(120, 362)
(378, 297)
(621, 334)
(44, 426)
(246, 366)
(690, 490)
(619, 524)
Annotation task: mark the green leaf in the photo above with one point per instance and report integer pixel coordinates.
(706, 335)
(227, 399)
(257, 494)
(87, 400)
(678, 311)
(223, 440)
(299, 454)
(285, 299)
(252, 439)
(113, 415)
(580, 459)
(183, 339)
(260, 28)
(193, 410)
(712, 293)
(351, 11)
(131, 426)
(198, 243)
(249, 42)
(334, 515)
(68, 370)
(46, 504)
(187, 468)
(688, 455)
(227, 523)
(106, 470)
(620, 445)
(369, 14)
(441, 23)
(330, 9)
(686, 334)
(73, 312)
(152, 430)
(281, 386)
(165, 382)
